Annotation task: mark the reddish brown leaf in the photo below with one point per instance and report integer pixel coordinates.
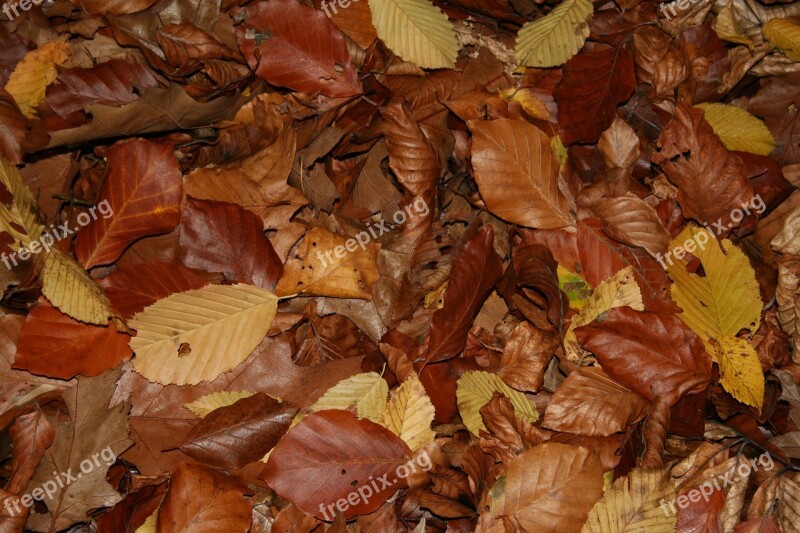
(411, 155)
(653, 354)
(131, 289)
(536, 270)
(201, 500)
(330, 455)
(115, 7)
(182, 42)
(133, 510)
(475, 270)
(234, 436)
(595, 82)
(55, 345)
(112, 83)
(222, 237)
(711, 180)
(276, 30)
(143, 191)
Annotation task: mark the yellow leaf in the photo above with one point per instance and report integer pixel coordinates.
(553, 39)
(436, 298)
(205, 404)
(632, 504)
(416, 31)
(197, 335)
(740, 370)
(784, 34)
(725, 300)
(32, 75)
(64, 282)
(149, 525)
(409, 414)
(475, 389)
(738, 129)
(327, 264)
(367, 392)
(728, 27)
(574, 286)
(528, 101)
(618, 291)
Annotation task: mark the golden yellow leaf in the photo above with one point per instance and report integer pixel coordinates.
(632, 504)
(740, 370)
(738, 129)
(618, 291)
(528, 101)
(64, 282)
(417, 31)
(784, 34)
(725, 300)
(197, 335)
(205, 404)
(574, 286)
(436, 298)
(409, 414)
(553, 39)
(367, 392)
(475, 389)
(327, 264)
(32, 75)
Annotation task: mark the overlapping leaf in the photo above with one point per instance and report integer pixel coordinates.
(551, 40)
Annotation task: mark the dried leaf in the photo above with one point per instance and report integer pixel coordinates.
(551, 40)
(409, 414)
(475, 389)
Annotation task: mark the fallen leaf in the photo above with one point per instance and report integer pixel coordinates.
(475, 389)
(551, 40)
(366, 392)
(409, 414)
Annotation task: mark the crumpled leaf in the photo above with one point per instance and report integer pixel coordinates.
(197, 335)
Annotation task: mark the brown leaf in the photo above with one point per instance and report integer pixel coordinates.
(619, 145)
(711, 180)
(525, 357)
(355, 21)
(595, 82)
(588, 402)
(183, 42)
(131, 289)
(201, 500)
(630, 220)
(219, 237)
(129, 514)
(330, 338)
(516, 171)
(550, 487)
(331, 454)
(115, 7)
(280, 29)
(55, 345)
(475, 270)
(412, 157)
(653, 354)
(654, 433)
(232, 437)
(536, 270)
(143, 194)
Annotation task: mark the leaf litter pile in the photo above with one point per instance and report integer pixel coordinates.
(400, 265)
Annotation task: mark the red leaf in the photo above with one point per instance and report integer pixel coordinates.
(132, 289)
(143, 191)
(595, 81)
(653, 354)
(475, 271)
(222, 237)
(298, 47)
(329, 456)
(53, 344)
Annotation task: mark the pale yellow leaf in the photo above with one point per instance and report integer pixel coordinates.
(367, 392)
(553, 39)
(475, 389)
(416, 31)
(738, 129)
(32, 75)
(740, 370)
(784, 34)
(724, 301)
(728, 26)
(409, 414)
(632, 505)
(149, 525)
(197, 335)
(205, 404)
(618, 291)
